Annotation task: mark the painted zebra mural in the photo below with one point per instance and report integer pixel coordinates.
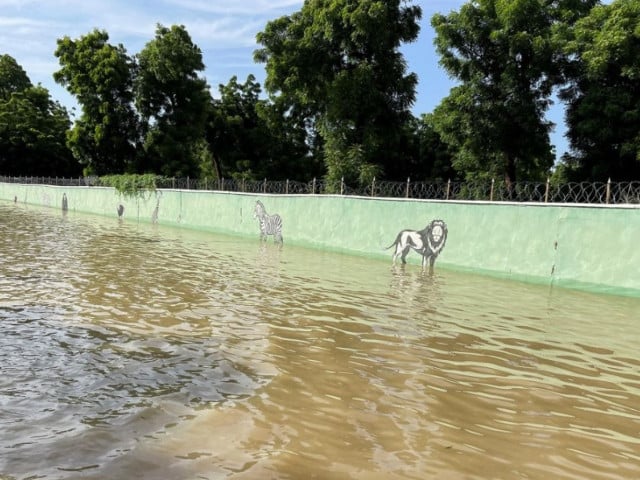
(269, 224)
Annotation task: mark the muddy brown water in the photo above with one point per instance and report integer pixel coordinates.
(137, 351)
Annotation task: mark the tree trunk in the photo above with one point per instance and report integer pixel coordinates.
(509, 174)
(216, 167)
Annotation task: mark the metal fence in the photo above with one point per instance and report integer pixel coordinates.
(494, 191)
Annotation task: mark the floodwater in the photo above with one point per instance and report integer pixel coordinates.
(137, 351)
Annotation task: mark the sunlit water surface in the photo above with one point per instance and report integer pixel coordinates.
(136, 351)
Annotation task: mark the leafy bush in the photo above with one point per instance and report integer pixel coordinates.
(131, 185)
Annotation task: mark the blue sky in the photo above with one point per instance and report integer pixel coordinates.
(224, 30)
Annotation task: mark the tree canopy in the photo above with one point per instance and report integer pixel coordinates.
(338, 98)
(603, 95)
(32, 126)
(172, 99)
(13, 78)
(339, 63)
(505, 56)
(249, 138)
(100, 76)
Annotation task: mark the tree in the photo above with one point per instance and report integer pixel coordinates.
(337, 63)
(603, 96)
(13, 78)
(173, 102)
(433, 160)
(250, 138)
(234, 130)
(504, 54)
(100, 75)
(293, 148)
(32, 127)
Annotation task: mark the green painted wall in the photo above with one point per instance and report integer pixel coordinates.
(585, 247)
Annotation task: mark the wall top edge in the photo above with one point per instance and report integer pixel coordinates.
(623, 206)
(629, 206)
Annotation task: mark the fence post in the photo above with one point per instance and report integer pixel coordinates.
(173, 182)
(188, 186)
(546, 192)
(313, 188)
(342, 186)
(264, 186)
(609, 190)
(448, 188)
(406, 195)
(373, 187)
(493, 181)
(286, 188)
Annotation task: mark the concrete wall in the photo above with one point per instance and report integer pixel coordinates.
(585, 247)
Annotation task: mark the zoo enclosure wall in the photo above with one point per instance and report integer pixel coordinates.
(588, 247)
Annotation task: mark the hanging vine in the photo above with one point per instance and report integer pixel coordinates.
(131, 185)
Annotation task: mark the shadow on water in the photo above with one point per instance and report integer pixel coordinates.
(78, 388)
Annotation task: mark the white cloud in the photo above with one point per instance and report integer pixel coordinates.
(244, 8)
(225, 31)
(21, 22)
(220, 34)
(19, 29)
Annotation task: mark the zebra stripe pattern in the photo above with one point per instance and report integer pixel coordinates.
(269, 224)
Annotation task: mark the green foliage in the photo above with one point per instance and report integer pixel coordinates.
(475, 191)
(505, 56)
(338, 64)
(433, 160)
(340, 97)
(100, 75)
(292, 145)
(603, 112)
(13, 78)
(32, 127)
(347, 163)
(131, 185)
(206, 162)
(236, 134)
(173, 102)
(252, 138)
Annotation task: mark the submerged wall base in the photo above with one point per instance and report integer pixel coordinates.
(581, 247)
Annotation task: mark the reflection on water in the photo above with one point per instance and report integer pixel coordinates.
(135, 351)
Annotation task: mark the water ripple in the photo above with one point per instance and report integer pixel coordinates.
(133, 350)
